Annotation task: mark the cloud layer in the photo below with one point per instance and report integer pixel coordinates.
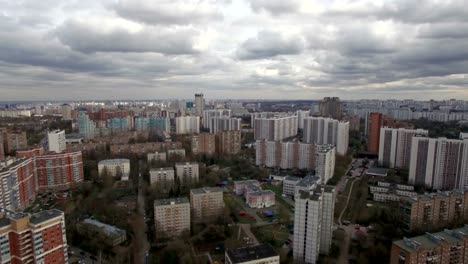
(296, 49)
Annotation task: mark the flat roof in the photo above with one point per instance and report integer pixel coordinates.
(246, 254)
(111, 161)
(178, 200)
(108, 229)
(45, 216)
(162, 169)
(206, 190)
(292, 178)
(430, 241)
(377, 171)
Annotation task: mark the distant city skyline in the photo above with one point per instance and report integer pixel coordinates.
(263, 49)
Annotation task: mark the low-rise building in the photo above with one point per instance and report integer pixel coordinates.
(115, 168)
(179, 152)
(171, 217)
(261, 254)
(91, 228)
(255, 197)
(206, 203)
(388, 192)
(143, 148)
(289, 184)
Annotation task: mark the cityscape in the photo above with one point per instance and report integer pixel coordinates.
(233, 132)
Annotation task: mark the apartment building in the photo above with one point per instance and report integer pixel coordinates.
(36, 238)
(206, 203)
(439, 163)
(157, 156)
(204, 143)
(301, 115)
(14, 140)
(395, 146)
(115, 168)
(171, 217)
(179, 153)
(152, 124)
(286, 155)
(57, 171)
(434, 211)
(208, 114)
(143, 148)
(187, 124)
(229, 142)
(313, 223)
(66, 112)
(274, 127)
(2, 147)
(325, 162)
(445, 247)
(17, 183)
(223, 123)
(187, 173)
(199, 104)
(289, 185)
(163, 177)
(260, 254)
(56, 140)
(331, 107)
(323, 130)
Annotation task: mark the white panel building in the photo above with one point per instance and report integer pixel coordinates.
(324, 130)
(188, 125)
(57, 141)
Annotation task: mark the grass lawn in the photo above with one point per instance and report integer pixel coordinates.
(278, 190)
(271, 234)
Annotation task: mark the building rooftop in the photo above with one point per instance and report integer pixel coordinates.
(112, 161)
(186, 163)
(246, 254)
(430, 241)
(45, 216)
(377, 171)
(171, 201)
(162, 169)
(308, 181)
(108, 229)
(292, 178)
(206, 190)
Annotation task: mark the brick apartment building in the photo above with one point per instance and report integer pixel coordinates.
(17, 184)
(206, 203)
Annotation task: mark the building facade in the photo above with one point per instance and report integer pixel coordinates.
(218, 124)
(199, 104)
(59, 171)
(229, 142)
(207, 114)
(188, 124)
(322, 130)
(36, 238)
(274, 127)
(15, 140)
(325, 162)
(204, 143)
(187, 173)
(207, 204)
(163, 178)
(17, 184)
(56, 141)
(171, 217)
(115, 168)
(331, 107)
(286, 155)
(260, 254)
(254, 196)
(395, 146)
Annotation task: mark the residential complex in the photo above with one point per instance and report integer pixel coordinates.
(325, 162)
(445, 247)
(56, 141)
(260, 254)
(171, 217)
(115, 168)
(208, 114)
(331, 107)
(301, 115)
(152, 124)
(206, 204)
(229, 142)
(59, 171)
(395, 146)
(389, 192)
(204, 143)
(274, 127)
(286, 155)
(323, 130)
(157, 156)
(439, 163)
(255, 197)
(14, 140)
(163, 178)
(187, 173)
(17, 183)
(67, 112)
(143, 148)
(313, 223)
(218, 124)
(434, 211)
(187, 124)
(36, 238)
(199, 104)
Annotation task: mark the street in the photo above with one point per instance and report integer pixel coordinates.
(141, 245)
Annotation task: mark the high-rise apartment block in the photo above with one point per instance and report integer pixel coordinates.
(2, 148)
(187, 124)
(59, 171)
(86, 126)
(325, 162)
(322, 130)
(301, 115)
(187, 173)
(218, 124)
(331, 107)
(260, 254)
(286, 155)
(36, 238)
(445, 247)
(313, 223)
(153, 124)
(67, 112)
(163, 178)
(17, 184)
(171, 217)
(204, 143)
(374, 123)
(208, 114)
(207, 204)
(439, 163)
(395, 146)
(229, 142)
(434, 211)
(56, 141)
(14, 140)
(199, 104)
(274, 126)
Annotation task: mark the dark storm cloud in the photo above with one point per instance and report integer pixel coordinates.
(269, 44)
(88, 39)
(167, 11)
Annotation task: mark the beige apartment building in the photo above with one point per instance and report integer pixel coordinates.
(204, 143)
(171, 217)
(206, 203)
(229, 142)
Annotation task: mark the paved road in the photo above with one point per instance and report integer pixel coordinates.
(141, 244)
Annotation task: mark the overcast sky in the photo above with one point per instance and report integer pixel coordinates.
(272, 49)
